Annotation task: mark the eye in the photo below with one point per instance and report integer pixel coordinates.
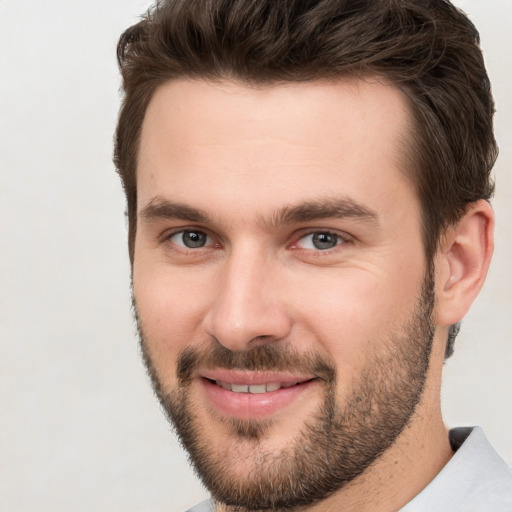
(190, 239)
(319, 241)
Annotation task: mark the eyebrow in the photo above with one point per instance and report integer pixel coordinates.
(160, 208)
(330, 208)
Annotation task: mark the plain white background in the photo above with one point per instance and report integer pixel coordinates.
(79, 427)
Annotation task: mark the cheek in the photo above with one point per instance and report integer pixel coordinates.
(356, 318)
(170, 309)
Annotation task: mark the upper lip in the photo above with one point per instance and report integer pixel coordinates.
(250, 378)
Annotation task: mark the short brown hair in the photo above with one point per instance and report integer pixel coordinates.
(427, 48)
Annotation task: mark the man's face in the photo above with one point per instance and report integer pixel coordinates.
(280, 281)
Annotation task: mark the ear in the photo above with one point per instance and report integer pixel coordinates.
(462, 262)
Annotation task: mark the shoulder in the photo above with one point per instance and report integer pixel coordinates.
(204, 506)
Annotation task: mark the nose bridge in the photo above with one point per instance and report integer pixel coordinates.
(247, 308)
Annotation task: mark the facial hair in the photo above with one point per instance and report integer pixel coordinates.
(334, 446)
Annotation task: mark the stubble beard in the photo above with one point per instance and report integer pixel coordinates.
(332, 448)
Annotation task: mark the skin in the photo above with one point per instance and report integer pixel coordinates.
(241, 156)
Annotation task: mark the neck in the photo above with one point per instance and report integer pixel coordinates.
(418, 455)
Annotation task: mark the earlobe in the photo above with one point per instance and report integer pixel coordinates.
(462, 262)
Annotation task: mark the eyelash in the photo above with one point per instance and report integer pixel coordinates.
(341, 239)
(169, 236)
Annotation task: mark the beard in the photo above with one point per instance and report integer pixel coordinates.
(333, 446)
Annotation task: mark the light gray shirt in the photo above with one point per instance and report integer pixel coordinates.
(476, 479)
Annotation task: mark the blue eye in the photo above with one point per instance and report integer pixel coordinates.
(320, 241)
(191, 239)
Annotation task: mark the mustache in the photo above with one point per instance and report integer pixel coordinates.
(261, 358)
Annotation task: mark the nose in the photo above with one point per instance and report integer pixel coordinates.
(248, 309)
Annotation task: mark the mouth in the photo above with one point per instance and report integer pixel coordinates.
(257, 389)
(253, 395)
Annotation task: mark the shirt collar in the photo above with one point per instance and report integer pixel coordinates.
(475, 478)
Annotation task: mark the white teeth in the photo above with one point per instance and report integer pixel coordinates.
(258, 388)
(240, 388)
(255, 388)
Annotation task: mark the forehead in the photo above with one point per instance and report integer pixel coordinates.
(251, 147)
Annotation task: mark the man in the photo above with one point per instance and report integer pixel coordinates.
(307, 188)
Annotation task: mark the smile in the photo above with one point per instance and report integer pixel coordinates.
(255, 388)
(253, 395)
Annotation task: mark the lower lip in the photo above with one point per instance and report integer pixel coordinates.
(253, 405)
